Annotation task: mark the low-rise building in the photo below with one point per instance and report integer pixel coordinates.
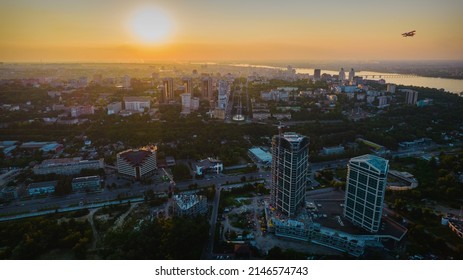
(42, 188)
(209, 165)
(260, 156)
(189, 205)
(137, 163)
(89, 183)
(9, 193)
(137, 103)
(333, 150)
(66, 166)
(114, 108)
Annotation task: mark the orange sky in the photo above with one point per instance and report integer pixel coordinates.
(66, 30)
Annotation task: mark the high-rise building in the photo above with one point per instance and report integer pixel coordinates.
(188, 85)
(168, 93)
(342, 75)
(365, 190)
(207, 88)
(223, 94)
(411, 97)
(351, 75)
(317, 74)
(186, 103)
(290, 168)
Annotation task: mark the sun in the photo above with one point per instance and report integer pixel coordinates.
(150, 25)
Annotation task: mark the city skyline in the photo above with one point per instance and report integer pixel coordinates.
(115, 31)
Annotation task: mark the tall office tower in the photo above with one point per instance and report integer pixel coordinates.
(342, 75)
(207, 88)
(223, 94)
(168, 93)
(365, 190)
(411, 97)
(186, 102)
(351, 75)
(290, 168)
(317, 74)
(188, 84)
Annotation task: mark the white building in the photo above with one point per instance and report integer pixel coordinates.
(342, 75)
(391, 88)
(137, 103)
(209, 165)
(351, 75)
(186, 103)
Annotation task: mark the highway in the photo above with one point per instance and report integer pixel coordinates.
(136, 190)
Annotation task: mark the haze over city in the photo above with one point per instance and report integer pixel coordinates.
(137, 31)
(283, 131)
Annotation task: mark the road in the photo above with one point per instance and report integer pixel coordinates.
(106, 195)
(136, 190)
(215, 210)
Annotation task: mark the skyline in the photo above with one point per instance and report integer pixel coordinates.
(112, 31)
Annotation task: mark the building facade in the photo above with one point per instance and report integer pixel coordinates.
(168, 93)
(365, 190)
(42, 188)
(206, 86)
(188, 85)
(290, 168)
(190, 205)
(138, 163)
(89, 183)
(114, 108)
(66, 166)
(137, 103)
(186, 103)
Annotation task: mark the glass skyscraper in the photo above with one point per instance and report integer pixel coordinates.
(290, 167)
(365, 190)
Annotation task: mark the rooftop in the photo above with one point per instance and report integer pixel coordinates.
(378, 163)
(85, 179)
(185, 202)
(329, 214)
(136, 157)
(261, 154)
(43, 184)
(137, 99)
(292, 137)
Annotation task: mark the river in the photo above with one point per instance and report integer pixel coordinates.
(450, 85)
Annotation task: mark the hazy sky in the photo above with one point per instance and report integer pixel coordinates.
(116, 30)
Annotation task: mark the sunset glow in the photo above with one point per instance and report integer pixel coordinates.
(235, 30)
